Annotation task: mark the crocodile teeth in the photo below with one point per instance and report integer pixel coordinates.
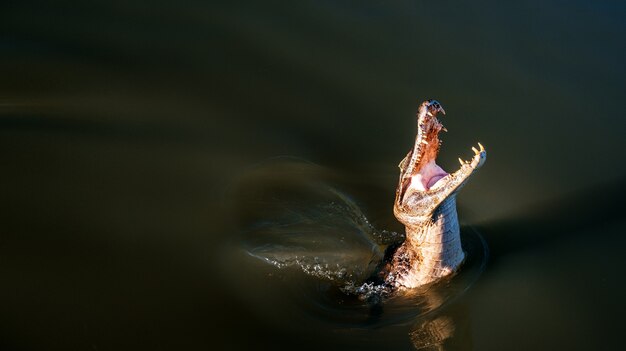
(481, 147)
(475, 150)
(461, 161)
(424, 142)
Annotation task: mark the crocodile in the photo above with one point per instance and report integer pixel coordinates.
(425, 203)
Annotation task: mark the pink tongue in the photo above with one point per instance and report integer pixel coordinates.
(432, 181)
(431, 174)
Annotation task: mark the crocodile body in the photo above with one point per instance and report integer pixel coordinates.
(426, 204)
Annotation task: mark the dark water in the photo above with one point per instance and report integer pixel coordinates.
(127, 129)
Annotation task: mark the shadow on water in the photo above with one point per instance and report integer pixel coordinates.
(557, 221)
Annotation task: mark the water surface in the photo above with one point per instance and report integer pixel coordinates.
(126, 128)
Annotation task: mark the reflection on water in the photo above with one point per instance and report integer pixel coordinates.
(292, 217)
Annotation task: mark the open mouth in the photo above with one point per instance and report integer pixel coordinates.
(419, 170)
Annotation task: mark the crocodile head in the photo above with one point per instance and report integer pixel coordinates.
(423, 184)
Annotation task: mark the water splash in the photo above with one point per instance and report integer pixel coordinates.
(330, 239)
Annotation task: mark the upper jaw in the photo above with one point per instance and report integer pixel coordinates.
(418, 168)
(427, 142)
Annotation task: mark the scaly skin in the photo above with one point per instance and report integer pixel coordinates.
(426, 204)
